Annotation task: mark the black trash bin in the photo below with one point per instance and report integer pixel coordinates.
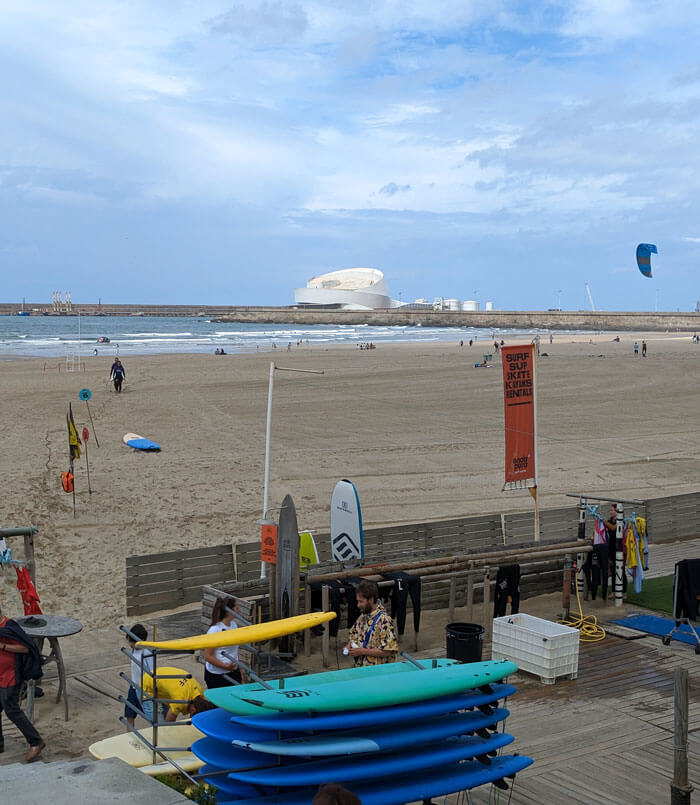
(465, 641)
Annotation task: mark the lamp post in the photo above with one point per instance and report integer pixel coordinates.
(266, 482)
(559, 300)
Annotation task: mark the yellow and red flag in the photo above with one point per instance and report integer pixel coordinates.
(74, 442)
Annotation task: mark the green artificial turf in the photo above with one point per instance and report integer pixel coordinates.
(656, 594)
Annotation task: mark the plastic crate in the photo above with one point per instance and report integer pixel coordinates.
(546, 649)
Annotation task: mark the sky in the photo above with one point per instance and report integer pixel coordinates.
(218, 152)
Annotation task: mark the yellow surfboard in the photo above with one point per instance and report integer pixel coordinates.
(308, 553)
(127, 747)
(244, 634)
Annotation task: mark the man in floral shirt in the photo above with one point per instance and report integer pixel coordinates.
(372, 638)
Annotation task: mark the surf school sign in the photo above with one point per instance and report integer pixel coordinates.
(520, 424)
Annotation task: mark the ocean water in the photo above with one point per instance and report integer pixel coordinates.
(50, 336)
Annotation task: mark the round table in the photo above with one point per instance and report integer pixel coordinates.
(53, 628)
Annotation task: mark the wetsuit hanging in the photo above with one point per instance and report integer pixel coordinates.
(507, 589)
(404, 585)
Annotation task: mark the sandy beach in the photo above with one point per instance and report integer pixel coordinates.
(417, 427)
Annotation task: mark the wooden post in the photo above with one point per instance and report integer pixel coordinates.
(453, 595)
(29, 556)
(680, 788)
(470, 597)
(487, 601)
(566, 589)
(580, 557)
(325, 640)
(307, 610)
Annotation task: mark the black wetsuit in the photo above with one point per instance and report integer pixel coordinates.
(117, 375)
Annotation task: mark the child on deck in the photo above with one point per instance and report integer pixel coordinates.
(145, 658)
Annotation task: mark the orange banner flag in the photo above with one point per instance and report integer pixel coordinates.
(520, 425)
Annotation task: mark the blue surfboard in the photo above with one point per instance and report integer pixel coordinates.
(347, 719)
(363, 767)
(231, 788)
(140, 443)
(217, 724)
(399, 789)
(378, 739)
(225, 756)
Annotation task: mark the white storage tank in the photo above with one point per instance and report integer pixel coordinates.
(488, 306)
(452, 304)
(470, 304)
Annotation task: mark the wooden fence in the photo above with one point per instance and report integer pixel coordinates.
(162, 581)
(168, 580)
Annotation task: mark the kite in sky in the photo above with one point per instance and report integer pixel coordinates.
(644, 252)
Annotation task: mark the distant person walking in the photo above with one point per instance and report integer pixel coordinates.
(117, 374)
(644, 349)
(636, 349)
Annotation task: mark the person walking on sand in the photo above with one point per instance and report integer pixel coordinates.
(221, 664)
(636, 349)
(644, 349)
(372, 639)
(117, 374)
(19, 662)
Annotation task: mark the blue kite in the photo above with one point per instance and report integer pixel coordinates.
(644, 252)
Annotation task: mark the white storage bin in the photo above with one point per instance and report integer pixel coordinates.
(536, 645)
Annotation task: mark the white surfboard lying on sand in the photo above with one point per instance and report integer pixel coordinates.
(139, 442)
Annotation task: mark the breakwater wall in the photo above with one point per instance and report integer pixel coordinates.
(489, 319)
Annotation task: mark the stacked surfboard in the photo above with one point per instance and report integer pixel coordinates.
(391, 733)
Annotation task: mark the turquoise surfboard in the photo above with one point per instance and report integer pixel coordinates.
(234, 698)
(361, 767)
(378, 739)
(357, 694)
(401, 788)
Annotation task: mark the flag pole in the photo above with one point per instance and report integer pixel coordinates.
(94, 433)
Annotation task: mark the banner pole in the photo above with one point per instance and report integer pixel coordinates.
(535, 354)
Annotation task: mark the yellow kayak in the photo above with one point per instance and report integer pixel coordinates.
(244, 634)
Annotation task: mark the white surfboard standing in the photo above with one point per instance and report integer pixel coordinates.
(347, 541)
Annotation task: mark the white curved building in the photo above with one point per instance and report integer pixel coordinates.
(348, 289)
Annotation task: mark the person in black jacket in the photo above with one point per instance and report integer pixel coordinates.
(19, 662)
(117, 374)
